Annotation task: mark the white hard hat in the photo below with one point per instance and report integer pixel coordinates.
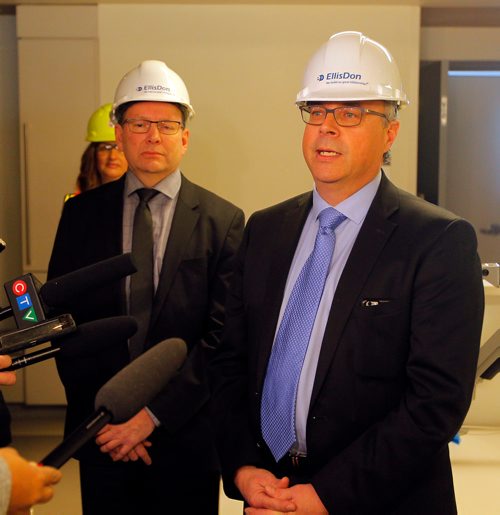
(152, 81)
(351, 66)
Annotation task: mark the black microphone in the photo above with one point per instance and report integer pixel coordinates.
(21, 339)
(61, 290)
(124, 395)
(30, 301)
(87, 340)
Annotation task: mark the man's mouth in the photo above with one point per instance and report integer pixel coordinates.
(328, 153)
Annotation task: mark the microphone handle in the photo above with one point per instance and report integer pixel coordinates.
(82, 434)
(32, 358)
(6, 312)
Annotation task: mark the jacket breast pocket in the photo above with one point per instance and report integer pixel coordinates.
(381, 335)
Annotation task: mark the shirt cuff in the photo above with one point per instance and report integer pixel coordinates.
(156, 422)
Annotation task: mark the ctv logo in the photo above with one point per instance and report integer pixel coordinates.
(24, 302)
(22, 293)
(19, 287)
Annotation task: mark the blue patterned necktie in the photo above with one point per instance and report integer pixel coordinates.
(283, 372)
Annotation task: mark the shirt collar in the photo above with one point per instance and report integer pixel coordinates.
(169, 186)
(354, 207)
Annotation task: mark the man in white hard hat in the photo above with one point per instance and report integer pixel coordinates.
(353, 323)
(183, 239)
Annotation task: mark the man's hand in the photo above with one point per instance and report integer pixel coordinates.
(6, 378)
(260, 487)
(120, 439)
(304, 497)
(138, 452)
(31, 484)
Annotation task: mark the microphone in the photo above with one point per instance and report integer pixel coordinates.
(61, 290)
(21, 339)
(124, 395)
(88, 339)
(3, 245)
(30, 300)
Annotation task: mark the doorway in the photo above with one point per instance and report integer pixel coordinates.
(459, 145)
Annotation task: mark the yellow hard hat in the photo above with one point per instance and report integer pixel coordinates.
(100, 128)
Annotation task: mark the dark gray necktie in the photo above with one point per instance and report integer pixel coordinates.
(141, 283)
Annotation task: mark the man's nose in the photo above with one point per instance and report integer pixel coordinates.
(153, 133)
(329, 125)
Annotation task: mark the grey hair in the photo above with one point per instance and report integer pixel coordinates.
(391, 111)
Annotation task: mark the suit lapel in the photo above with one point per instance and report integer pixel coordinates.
(285, 240)
(183, 223)
(373, 236)
(105, 221)
(114, 205)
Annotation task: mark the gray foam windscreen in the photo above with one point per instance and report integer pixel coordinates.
(138, 383)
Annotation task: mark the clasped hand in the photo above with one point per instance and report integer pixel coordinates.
(266, 494)
(127, 441)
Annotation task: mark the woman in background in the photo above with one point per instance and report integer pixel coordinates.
(102, 161)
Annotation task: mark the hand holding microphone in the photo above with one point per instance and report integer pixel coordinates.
(31, 484)
(6, 378)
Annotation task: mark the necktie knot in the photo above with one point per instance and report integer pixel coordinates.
(146, 194)
(330, 219)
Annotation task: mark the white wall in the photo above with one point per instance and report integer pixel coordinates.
(243, 66)
(10, 228)
(10, 198)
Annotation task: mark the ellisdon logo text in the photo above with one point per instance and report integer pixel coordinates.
(339, 76)
(147, 88)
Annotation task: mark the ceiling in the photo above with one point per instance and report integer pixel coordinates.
(437, 13)
(423, 3)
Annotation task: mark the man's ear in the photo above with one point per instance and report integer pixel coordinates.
(119, 136)
(392, 132)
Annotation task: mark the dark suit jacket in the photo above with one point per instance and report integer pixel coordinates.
(189, 304)
(394, 380)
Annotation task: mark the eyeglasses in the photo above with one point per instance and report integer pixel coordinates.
(107, 147)
(345, 116)
(139, 126)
